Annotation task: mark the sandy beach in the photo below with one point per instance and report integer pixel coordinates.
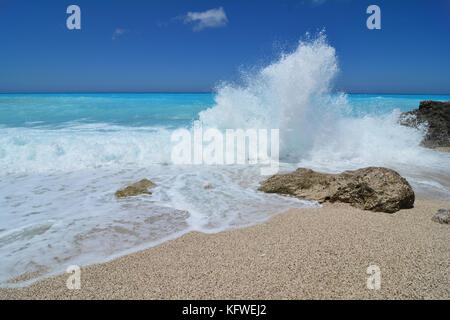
(301, 254)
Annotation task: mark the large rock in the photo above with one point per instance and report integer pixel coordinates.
(137, 188)
(372, 188)
(442, 216)
(435, 117)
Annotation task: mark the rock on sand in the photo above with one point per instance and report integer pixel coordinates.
(372, 188)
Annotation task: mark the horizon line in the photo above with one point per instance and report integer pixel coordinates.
(196, 92)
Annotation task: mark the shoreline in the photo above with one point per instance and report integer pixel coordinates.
(318, 253)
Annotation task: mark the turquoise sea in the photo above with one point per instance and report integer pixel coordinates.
(153, 109)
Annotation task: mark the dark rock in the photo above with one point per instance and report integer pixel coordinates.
(372, 188)
(442, 216)
(434, 116)
(135, 189)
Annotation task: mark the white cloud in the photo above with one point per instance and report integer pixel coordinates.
(118, 32)
(212, 18)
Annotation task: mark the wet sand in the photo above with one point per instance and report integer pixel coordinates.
(301, 254)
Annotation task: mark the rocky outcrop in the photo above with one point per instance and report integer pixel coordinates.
(442, 216)
(137, 188)
(434, 116)
(372, 188)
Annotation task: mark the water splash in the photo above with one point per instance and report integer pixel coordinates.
(292, 94)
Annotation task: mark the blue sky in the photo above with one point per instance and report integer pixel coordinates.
(180, 46)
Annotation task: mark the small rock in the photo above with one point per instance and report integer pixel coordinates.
(442, 216)
(208, 186)
(135, 189)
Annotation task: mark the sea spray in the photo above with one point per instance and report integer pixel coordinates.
(292, 94)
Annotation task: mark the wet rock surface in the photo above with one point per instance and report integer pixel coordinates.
(137, 188)
(434, 117)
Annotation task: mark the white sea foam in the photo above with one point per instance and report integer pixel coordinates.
(74, 147)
